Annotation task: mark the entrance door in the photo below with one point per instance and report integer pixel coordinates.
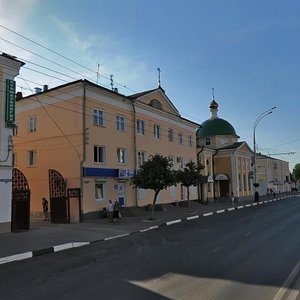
(224, 188)
(121, 194)
(74, 197)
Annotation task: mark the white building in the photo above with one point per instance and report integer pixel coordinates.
(9, 69)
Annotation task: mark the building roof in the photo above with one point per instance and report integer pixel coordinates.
(216, 126)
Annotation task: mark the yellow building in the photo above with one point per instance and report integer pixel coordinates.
(226, 161)
(78, 145)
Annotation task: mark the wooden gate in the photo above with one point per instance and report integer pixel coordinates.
(20, 202)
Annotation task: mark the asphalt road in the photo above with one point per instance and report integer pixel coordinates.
(251, 253)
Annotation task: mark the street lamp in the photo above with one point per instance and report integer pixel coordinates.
(261, 116)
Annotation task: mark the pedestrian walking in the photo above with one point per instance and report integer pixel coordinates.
(110, 210)
(45, 209)
(232, 198)
(116, 215)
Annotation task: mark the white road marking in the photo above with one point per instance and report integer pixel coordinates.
(220, 211)
(173, 222)
(7, 259)
(192, 217)
(207, 214)
(116, 236)
(286, 285)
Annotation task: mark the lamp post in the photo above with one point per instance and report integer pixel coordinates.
(261, 116)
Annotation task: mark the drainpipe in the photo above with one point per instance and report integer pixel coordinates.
(135, 147)
(213, 169)
(83, 145)
(199, 186)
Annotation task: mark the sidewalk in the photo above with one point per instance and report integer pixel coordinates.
(45, 237)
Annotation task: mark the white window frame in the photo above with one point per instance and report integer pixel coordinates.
(101, 196)
(32, 158)
(121, 155)
(141, 157)
(97, 158)
(32, 124)
(120, 123)
(156, 131)
(98, 117)
(140, 127)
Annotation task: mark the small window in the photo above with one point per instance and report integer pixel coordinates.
(207, 142)
(156, 104)
(190, 141)
(99, 154)
(180, 138)
(170, 135)
(141, 157)
(32, 124)
(99, 191)
(140, 126)
(121, 123)
(156, 129)
(180, 160)
(98, 117)
(121, 154)
(32, 158)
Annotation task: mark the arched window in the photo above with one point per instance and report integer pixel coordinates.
(156, 104)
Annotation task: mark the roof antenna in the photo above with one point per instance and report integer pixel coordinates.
(158, 70)
(111, 82)
(98, 66)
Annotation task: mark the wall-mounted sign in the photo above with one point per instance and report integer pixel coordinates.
(10, 103)
(210, 179)
(126, 173)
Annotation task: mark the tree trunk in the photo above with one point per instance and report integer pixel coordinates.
(153, 205)
(188, 198)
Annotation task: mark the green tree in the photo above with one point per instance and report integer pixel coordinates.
(189, 176)
(296, 172)
(155, 174)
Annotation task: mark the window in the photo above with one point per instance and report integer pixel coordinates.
(207, 142)
(32, 124)
(99, 191)
(170, 135)
(156, 104)
(180, 160)
(98, 117)
(31, 158)
(140, 126)
(141, 157)
(180, 138)
(99, 154)
(191, 141)
(121, 123)
(121, 154)
(156, 131)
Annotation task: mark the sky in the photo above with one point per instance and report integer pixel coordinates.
(248, 51)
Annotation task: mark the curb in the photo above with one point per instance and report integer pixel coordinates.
(62, 247)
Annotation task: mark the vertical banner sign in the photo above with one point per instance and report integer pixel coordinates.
(10, 103)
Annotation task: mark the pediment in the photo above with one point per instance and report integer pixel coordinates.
(157, 99)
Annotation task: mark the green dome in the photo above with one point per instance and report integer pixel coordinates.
(215, 126)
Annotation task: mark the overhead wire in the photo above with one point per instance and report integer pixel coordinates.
(59, 128)
(128, 120)
(63, 56)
